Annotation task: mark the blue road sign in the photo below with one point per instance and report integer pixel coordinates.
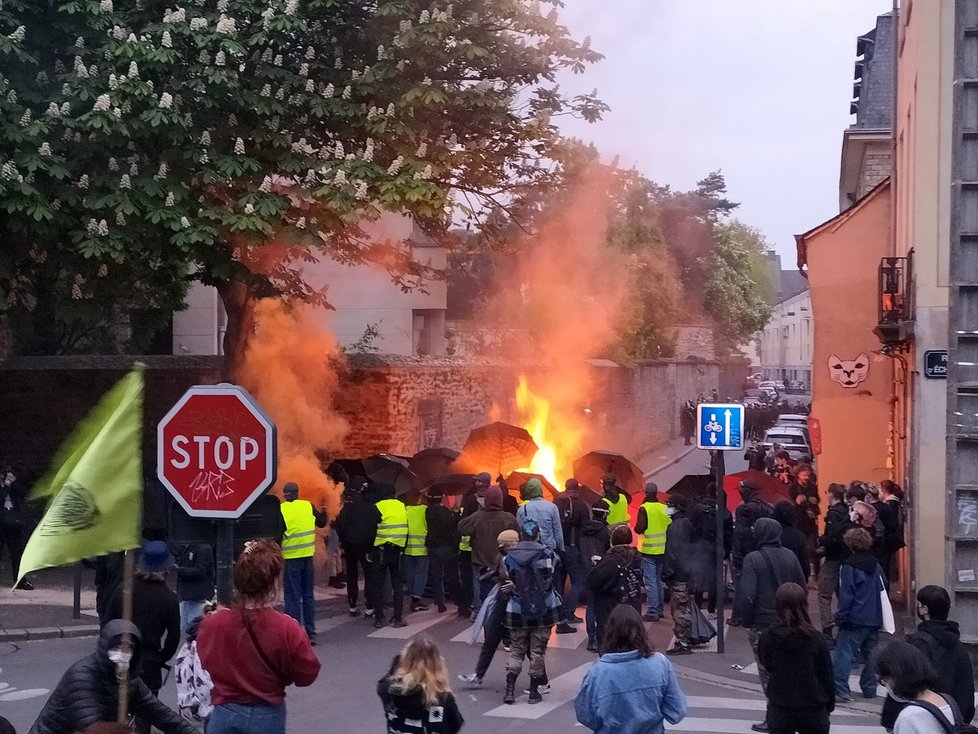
(720, 426)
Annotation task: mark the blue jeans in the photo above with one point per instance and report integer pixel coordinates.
(652, 570)
(189, 611)
(847, 644)
(239, 718)
(299, 601)
(415, 574)
(574, 566)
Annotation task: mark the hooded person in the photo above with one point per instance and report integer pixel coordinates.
(765, 569)
(356, 527)
(468, 589)
(747, 513)
(442, 544)
(88, 692)
(617, 578)
(791, 537)
(483, 528)
(574, 513)
(595, 539)
(677, 572)
(544, 513)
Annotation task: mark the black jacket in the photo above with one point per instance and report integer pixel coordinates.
(156, 613)
(88, 692)
(760, 582)
(940, 641)
(195, 573)
(357, 522)
(604, 581)
(745, 516)
(836, 523)
(678, 566)
(407, 713)
(800, 666)
(574, 512)
(792, 538)
(442, 527)
(594, 541)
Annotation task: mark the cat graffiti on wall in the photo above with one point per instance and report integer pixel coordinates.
(849, 372)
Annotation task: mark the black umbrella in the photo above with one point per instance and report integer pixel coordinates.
(387, 469)
(432, 463)
(449, 484)
(692, 485)
(341, 470)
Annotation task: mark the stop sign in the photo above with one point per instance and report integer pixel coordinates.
(216, 451)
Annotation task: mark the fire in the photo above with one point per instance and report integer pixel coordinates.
(556, 440)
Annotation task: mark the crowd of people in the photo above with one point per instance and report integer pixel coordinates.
(520, 571)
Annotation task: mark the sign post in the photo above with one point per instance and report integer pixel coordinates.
(719, 428)
(216, 454)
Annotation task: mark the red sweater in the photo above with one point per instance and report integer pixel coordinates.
(239, 674)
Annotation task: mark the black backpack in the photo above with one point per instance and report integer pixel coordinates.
(532, 585)
(958, 727)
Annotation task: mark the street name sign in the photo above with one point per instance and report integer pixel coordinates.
(720, 426)
(935, 364)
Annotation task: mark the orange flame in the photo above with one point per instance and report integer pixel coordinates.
(558, 441)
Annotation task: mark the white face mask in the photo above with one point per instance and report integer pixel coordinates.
(120, 658)
(854, 517)
(670, 511)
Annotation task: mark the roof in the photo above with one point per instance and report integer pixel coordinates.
(787, 283)
(801, 240)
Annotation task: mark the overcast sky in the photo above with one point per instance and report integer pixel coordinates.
(759, 89)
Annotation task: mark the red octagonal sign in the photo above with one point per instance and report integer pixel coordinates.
(216, 451)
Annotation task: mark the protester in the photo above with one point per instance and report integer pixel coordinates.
(800, 690)
(651, 526)
(483, 528)
(616, 499)
(415, 558)
(468, 594)
(333, 563)
(783, 464)
(803, 491)
(894, 540)
(631, 689)
(860, 614)
(765, 569)
(911, 679)
(253, 652)
(792, 538)
(544, 513)
(574, 514)
(298, 547)
(687, 422)
(594, 542)
(532, 610)
(385, 558)
(356, 526)
(678, 573)
(751, 509)
(155, 611)
(940, 640)
(442, 544)
(416, 695)
(108, 576)
(88, 692)
(703, 517)
(13, 495)
(195, 582)
(833, 551)
(617, 578)
(194, 684)
(755, 457)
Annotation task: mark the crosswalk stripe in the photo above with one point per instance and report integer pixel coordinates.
(417, 622)
(743, 726)
(563, 689)
(564, 642)
(719, 702)
(853, 679)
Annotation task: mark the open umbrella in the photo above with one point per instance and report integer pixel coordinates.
(498, 448)
(350, 467)
(591, 468)
(517, 479)
(769, 489)
(449, 484)
(691, 485)
(387, 469)
(431, 463)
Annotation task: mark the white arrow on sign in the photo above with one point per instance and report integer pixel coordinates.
(713, 438)
(726, 423)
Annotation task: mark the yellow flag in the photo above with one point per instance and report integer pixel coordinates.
(95, 484)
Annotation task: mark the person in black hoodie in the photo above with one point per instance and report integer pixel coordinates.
(356, 526)
(747, 513)
(416, 695)
(574, 513)
(442, 545)
(940, 640)
(834, 552)
(195, 582)
(677, 572)
(594, 540)
(791, 537)
(800, 691)
(617, 578)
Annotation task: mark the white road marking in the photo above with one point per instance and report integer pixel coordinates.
(417, 622)
(743, 726)
(563, 689)
(853, 682)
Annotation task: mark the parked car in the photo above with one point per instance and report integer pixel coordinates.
(793, 439)
(751, 400)
(793, 419)
(766, 383)
(779, 386)
(789, 424)
(769, 393)
(796, 387)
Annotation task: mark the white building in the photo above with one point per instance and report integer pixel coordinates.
(786, 343)
(364, 297)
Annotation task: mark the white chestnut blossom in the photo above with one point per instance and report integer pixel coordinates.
(9, 172)
(124, 182)
(219, 58)
(310, 85)
(427, 172)
(361, 190)
(166, 41)
(267, 56)
(92, 227)
(222, 5)
(405, 25)
(280, 94)
(204, 57)
(177, 16)
(53, 110)
(266, 185)
(65, 109)
(301, 223)
(266, 91)
(354, 74)
(120, 219)
(338, 149)
(45, 149)
(390, 110)
(131, 38)
(347, 92)
(103, 270)
(133, 69)
(105, 6)
(113, 82)
(113, 164)
(249, 209)
(19, 34)
(166, 101)
(422, 151)
(239, 146)
(227, 26)
(205, 138)
(425, 17)
(338, 63)
(82, 181)
(395, 165)
(12, 96)
(102, 103)
(103, 228)
(162, 173)
(368, 151)
(329, 91)
(197, 24)
(278, 60)
(80, 68)
(170, 200)
(310, 53)
(340, 178)
(26, 118)
(291, 6)
(304, 69)
(184, 222)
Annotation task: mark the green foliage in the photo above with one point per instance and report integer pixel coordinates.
(365, 344)
(242, 139)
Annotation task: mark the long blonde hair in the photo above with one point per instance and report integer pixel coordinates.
(422, 667)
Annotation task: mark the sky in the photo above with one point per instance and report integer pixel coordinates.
(759, 89)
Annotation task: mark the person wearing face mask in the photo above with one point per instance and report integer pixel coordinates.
(911, 680)
(833, 551)
(677, 572)
(940, 640)
(88, 692)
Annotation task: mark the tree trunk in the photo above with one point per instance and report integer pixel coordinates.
(239, 303)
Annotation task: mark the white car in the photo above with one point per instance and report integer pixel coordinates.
(779, 385)
(792, 439)
(793, 419)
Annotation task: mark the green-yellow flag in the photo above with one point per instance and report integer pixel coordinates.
(95, 484)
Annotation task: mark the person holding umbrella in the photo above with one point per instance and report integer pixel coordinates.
(616, 499)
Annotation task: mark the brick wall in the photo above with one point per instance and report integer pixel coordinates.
(393, 404)
(876, 166)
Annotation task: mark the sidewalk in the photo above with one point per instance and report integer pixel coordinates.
(663, 457)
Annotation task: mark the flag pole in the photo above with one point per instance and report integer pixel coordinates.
(122, 674)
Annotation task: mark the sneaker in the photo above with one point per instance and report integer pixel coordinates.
(843, 698)
(565, 629)
(417, 606)
(471, 678)
(762, 727)
(354, 612)
(398, 623)
(506, 647)
(651, 617)
(574, 619)
(592, 644)
(335, 583)
(367, 613)
(379, 622)
(543, 688)
(679, 649)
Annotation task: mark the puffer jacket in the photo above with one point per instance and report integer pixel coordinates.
(860, 583)
(605, 581)
(87, 692)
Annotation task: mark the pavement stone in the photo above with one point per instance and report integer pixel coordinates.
(86, 630)
(43, 633)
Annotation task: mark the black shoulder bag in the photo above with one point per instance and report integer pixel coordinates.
(261, 653)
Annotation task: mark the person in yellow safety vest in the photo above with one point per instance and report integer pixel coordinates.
(416, 555)
(468, 584)
(298, 546)
(651, 526)
(616, 500)
(391, 539)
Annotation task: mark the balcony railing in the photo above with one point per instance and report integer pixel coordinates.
(895, 301)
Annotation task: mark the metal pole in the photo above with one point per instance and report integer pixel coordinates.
(122, 674)
(76, 593)
(225, 560)
(719, 469)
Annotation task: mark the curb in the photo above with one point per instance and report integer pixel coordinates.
(674, 460)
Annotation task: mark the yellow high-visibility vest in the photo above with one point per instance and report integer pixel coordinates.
(299, 540)
(617, 511)
(653, 541)
(393, 526)
(417, 531)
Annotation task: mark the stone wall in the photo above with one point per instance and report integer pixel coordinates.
(393, 404)
(695, 342)
(877, 165)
